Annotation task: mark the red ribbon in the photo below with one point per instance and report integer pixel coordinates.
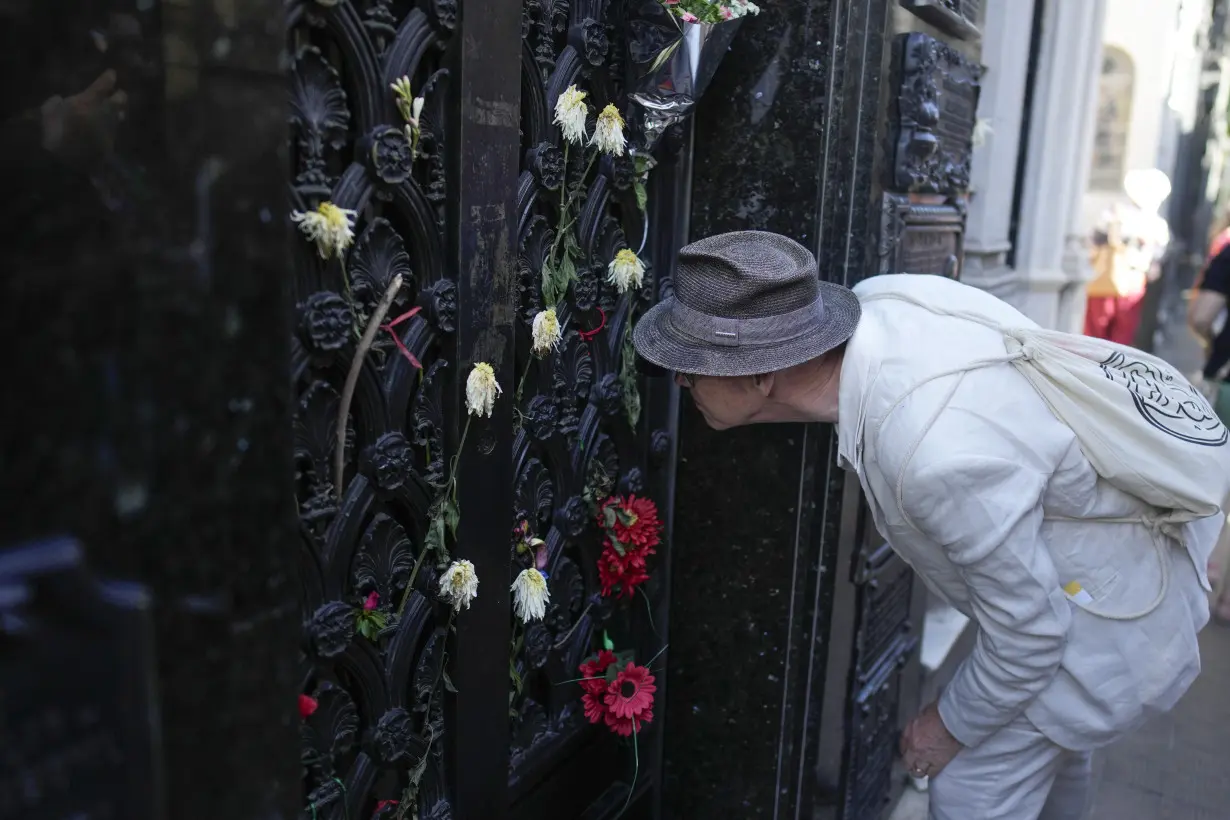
(586, 335)
(405, 351)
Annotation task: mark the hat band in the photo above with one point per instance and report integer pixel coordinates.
(762, 330)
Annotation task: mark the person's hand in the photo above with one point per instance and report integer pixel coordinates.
(81, 129)
(926, 745)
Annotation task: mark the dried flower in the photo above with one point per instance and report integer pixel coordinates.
(626, 271)
(530, 595)
(307, 706)
(570, 114)
(330, 227)
(481, 390)
(371, 601)
(459, 585)
(609, 133)
(547, 332)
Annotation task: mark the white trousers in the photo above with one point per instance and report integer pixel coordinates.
(1016, 774)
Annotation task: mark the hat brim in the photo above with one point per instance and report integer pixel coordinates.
(660, 343)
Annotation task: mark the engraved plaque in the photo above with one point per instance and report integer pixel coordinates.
(937, 108)
(956, 17)
(921, 237)
(77, 710)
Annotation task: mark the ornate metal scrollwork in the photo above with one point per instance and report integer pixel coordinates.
(372, 712)
(936, 112)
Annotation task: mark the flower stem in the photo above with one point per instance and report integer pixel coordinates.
(410, 584)
(575, 624)
(352, 379)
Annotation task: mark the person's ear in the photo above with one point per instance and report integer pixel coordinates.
(763, 383)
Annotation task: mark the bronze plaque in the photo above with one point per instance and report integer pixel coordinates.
(937, 109)
(921, 237)
(956, 17)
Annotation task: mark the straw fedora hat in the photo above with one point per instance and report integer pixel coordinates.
(745, 303)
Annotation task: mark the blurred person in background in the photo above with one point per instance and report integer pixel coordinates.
(1128, 245)
(1206, 316)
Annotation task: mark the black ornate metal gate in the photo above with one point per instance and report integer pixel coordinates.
(462, 192)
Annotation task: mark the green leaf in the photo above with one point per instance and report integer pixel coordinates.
(452, 516)
(609, 516)
(628, 381)
(512, 673)
(642, 195)
(434, 540)
(607, 643)
(448, 682)
(548, 285)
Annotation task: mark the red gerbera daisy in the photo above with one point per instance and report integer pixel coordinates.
(630, 695)
(595, 687)
(632, 521)
(625, 572)
(595, 671)
(626, 726)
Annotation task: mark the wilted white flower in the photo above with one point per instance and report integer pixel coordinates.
(530, 595)
(609, 133)
(547, 332)
(570, 114)
(982, 130)
(481, 390)
(330, 227)
(459, 585)
(626, 271)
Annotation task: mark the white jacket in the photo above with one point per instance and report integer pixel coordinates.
(1001, 514)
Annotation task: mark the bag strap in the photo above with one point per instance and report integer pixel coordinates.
(1157, 528)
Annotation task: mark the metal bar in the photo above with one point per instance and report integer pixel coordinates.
(484, 130)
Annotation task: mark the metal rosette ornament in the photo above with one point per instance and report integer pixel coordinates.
(674, 48)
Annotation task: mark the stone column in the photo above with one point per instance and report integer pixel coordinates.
(1052, 259)
(1005, 53)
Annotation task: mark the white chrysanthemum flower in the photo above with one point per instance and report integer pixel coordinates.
(547, 332)
(530, 595)
(570, 114)
(481, 390)
(459, 585)
(330, 227)
(609, 133)
(626, 271)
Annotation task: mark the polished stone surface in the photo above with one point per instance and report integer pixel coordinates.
(143, 316)
(757, 508)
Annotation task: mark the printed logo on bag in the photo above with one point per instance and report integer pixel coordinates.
(1169, 404)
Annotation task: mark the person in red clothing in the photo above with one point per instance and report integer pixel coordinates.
(1128, 247)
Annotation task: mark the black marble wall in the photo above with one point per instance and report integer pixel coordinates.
(146, 390)
(787, 140)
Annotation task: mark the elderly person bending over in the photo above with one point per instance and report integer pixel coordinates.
(1087, 617)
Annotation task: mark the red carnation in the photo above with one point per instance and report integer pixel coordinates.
(307, 706)
(626, 572)
(594, 683)
(629, 700)
(632, 521)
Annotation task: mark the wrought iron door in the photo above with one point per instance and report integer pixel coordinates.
(410, 709)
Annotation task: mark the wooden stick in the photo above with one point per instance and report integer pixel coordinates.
(352, 378)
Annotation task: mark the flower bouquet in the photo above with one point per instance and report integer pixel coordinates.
(674, 47)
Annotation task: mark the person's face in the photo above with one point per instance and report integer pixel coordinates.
(724, 401)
